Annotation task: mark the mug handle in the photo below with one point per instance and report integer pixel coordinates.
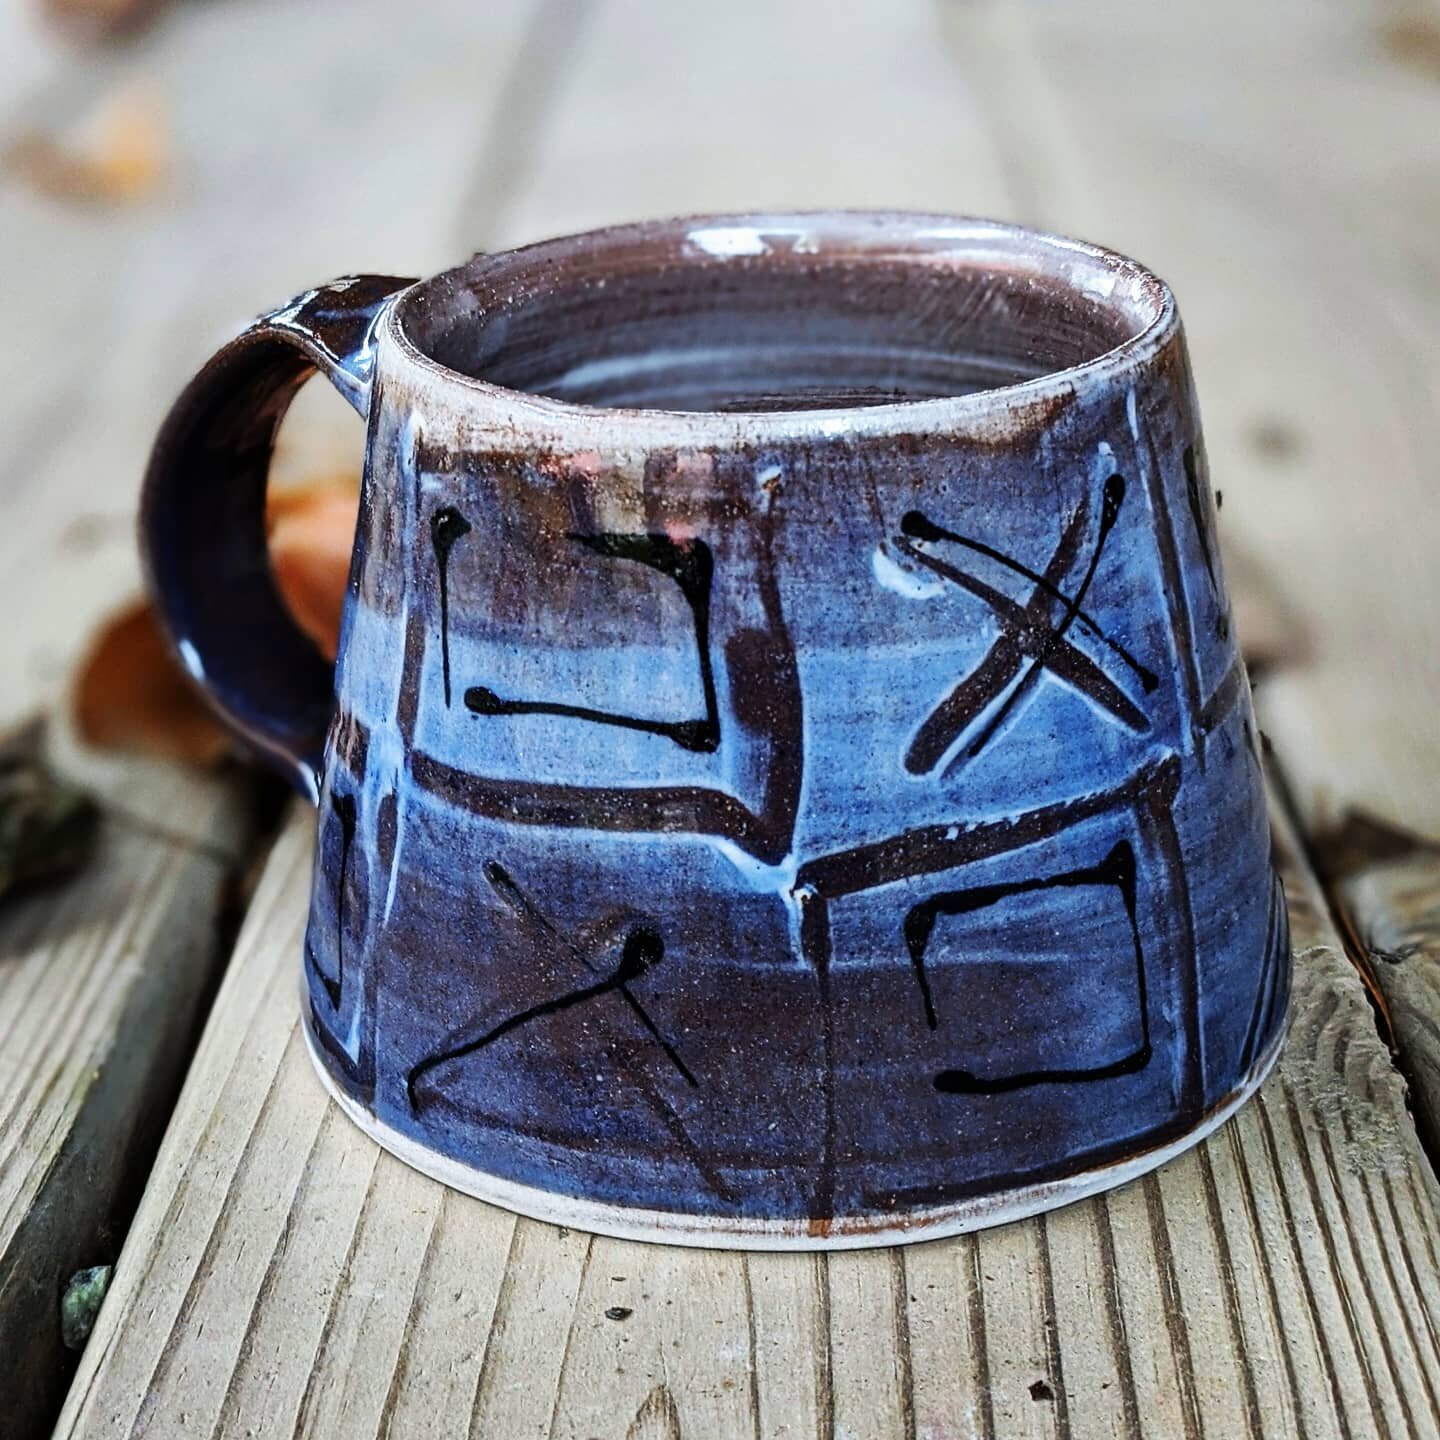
(202, 519)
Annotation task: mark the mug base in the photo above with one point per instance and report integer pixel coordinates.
(849, 1232)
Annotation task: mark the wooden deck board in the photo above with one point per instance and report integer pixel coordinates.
(1392, 909)
(102, 979)
(285, 1274)
(100, 990)
(274, 186)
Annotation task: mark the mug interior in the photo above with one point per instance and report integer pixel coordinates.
(781, 313)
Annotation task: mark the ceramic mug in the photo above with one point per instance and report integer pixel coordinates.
(788, 779)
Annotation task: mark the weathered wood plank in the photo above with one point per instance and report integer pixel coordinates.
(751, 104)
(103, 980)
(102, 984)
(1393, 909)
(285, 1274)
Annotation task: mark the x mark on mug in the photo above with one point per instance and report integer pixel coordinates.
(1029, 632)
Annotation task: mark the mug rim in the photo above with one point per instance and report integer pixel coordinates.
(988, 413)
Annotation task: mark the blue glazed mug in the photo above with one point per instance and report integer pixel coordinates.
(788, 779)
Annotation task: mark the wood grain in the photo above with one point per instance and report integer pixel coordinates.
(104, 979)
(1392, 908)
(296, 145)
(284, 1275)
(102, 984)
(753, 105)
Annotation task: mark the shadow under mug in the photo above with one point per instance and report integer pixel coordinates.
(789, 779)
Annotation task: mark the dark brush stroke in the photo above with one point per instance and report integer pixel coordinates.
(1263, 983)
(343, 807)
(922, 852)
(690, 565)
(1280, 990)
(503, 883)
(694, 735)
(1114, 495)
(1117, 869)
(918, 527)
(1155, 811)
(446, 527)
(1197, 513)
(962, 1082)
(947, 1192)
(358, 1070)
(919, 921)
(1177, 598)
(619, 809)
(933, 848)
(642, 949)
(761, 665)
(407, 704)
(815, 947)
(312, 965)
(1025, 632)
(1222, 702)
(525, 909)
(1020, 634)
(351, 744)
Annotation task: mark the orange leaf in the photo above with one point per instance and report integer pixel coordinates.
(131, 694)
(312, 533)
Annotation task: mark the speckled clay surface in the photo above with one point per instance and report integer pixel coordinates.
(821, 806)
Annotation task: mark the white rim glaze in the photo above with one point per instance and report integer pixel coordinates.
(487, 408)
(856, 1232)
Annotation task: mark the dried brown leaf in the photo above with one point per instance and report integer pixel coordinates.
(1413, 38)
(132, 695)
(312, 534)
